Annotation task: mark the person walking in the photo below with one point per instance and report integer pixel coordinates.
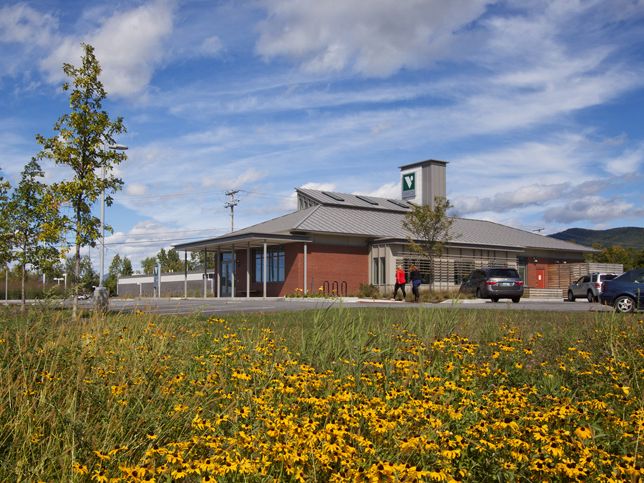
(416, 280)
(401, 280)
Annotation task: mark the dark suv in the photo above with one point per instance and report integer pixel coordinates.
(494, 284)
(626, 292)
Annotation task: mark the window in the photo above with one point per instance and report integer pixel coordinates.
(375, 279)
(504, 272)
(378, 271)
(462, 270)
(274, 265)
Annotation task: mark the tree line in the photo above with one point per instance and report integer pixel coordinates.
(170, 261)
(628, 257)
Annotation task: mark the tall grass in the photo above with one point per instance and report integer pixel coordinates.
(81, 398)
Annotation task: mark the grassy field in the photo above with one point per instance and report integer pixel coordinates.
(335, 395)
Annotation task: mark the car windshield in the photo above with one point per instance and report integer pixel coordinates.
(504, 272)
(609, 277)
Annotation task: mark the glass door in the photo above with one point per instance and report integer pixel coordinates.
(227, 266)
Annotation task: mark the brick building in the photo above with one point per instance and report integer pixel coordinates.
(334, 242)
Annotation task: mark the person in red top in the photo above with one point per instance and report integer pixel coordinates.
(401, 280)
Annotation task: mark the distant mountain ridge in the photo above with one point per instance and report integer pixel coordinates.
(626, 237)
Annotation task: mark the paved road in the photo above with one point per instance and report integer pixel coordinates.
(213, 306)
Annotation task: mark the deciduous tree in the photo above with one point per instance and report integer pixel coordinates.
(429, 230)
(82, 140)
(171, 261)
(6, 232)
(628, 257)
(126, 268)
(148, 264)
(87, 276)
(33, 214)
(113, 273)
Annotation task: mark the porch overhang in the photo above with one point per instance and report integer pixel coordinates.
(243, 240)
(450, 244)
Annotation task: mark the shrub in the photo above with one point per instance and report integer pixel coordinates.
(368, 291)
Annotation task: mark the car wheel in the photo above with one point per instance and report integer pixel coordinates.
(495, 299)
(516, 300)
(591, 298)
(478, 293)
(571, 296)
(625, 304)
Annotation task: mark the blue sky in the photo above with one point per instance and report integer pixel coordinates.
(536, 105)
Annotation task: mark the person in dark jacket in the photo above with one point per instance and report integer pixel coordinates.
(401, 280)
(416, 280)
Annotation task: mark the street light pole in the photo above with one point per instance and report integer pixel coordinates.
(102, 271)
(101, 297)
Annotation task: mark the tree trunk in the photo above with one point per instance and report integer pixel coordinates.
(76, 271)
(23, 299)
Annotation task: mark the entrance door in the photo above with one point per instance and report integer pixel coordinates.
(227, 267)
(541, 278)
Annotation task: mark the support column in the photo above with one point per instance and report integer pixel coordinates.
(264, 270)
(218, 270)
(248, 270)
(205, 272)
(185, 274)
(233, 272)
(305, 269)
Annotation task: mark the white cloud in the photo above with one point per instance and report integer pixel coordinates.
(230, 181)
(129, 46)
(594, 208)
(629, 162)
(20, 23)
(371, 38)
(24, 31)
(290, 203)
(387, 190)
(146, 238)
(211, 46)
(136, 189)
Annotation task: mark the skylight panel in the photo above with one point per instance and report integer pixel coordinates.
(367, 200)
(333, 196)
(402, 204)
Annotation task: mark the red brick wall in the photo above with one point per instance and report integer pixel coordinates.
(342, 268)
(337, 267)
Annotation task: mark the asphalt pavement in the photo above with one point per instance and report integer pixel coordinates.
(239, 305)
(213, 306)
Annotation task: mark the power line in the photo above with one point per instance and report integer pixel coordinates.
(136, 242)
(151, 242)
(174, 231)
(199, 193)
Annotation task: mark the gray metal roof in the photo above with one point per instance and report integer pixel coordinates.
(379, 224)
(331, 198)
(355, 217)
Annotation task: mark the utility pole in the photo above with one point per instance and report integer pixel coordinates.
(231, 204)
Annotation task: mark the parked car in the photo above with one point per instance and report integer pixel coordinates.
(589, 286)
(626, 292)
(494, 284)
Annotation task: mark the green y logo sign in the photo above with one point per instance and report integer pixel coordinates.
(408, 186)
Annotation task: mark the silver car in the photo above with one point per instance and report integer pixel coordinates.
(589, 286)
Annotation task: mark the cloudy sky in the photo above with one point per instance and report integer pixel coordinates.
(536, 105)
